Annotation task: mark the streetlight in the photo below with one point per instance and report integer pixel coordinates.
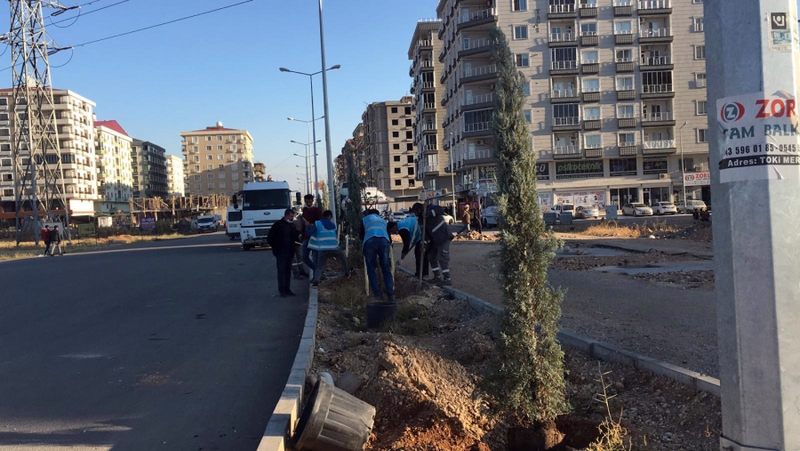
(305, 166)
(307, 161)
(452, 174)
(683, 164)
(313, 115)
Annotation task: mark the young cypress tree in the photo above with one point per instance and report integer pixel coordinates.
(531, 374)
(353, 209)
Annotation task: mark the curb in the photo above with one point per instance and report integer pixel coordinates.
(607, 352)
(282, 421)
(701, 256)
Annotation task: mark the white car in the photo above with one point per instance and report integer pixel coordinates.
(490, 216)
(563, 208)
(664, 208)
(448, 219)
(637, 209)
(206, 223)
(692, 205)
(587, 212)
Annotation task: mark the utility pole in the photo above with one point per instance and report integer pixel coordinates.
(754, 71)
(38, 173)
(331, 189)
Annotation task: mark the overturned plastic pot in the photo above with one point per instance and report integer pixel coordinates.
(379, 313)
(333, 420)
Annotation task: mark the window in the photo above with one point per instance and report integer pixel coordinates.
(623, 55)
(697, 24)
(396, 146)
(625, 83)
(394, 110)
(700, 80)
(526, 88)
(591, 113)
(208, 138)
(396, 170)
(410, 146)
(9, 177)
(579, 169)
(395, 122)
(523, 60)
(520, 32)
(701, 135)
(588, 3)
(700, 52)
(5, 162)
(397, 182)
(589, 57)
(626, 139)
(8, 192)
(410, 171)
(411, 183)
(700, 107)
(589, 29)
(623, 27)
(396, 158)
(5, 147)
(625, 111)
(655, 167)
(527, 115)
(622, 166)
(209, 157)
(593, 141)
(591, 85)
(409, 135)
(395, 134)
(519, 5)
(408, 110)
(408, 122)
(410, 159)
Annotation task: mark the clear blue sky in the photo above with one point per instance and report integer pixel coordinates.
(224, 67)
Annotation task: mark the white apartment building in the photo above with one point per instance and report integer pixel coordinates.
(175, 184)
(74, 119)
(114, 167)
(615, 90)
(217, 160)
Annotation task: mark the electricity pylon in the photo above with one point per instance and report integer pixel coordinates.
(38, 171)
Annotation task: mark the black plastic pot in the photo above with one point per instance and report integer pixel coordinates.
(378, 313)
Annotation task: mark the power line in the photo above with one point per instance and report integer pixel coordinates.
(81, 14)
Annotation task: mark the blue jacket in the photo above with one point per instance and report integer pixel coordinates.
(322, 235)
(374, 226)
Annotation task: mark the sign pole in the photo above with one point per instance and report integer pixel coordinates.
(754, 71)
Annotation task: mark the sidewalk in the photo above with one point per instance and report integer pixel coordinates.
(671, 324)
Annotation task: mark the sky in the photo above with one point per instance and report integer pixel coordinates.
(224, 67)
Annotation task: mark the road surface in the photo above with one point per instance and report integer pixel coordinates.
(182, 345)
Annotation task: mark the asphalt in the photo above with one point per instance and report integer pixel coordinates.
(180, 346)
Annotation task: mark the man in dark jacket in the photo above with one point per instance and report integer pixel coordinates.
(438, 238)
(281, 238)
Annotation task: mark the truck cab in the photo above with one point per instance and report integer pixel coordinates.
(233, 223)
(263, 204)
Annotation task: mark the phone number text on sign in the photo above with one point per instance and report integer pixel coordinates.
(760, 139)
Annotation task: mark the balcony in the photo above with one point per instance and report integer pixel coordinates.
(596, 152)
(478, 156)
(566, 67)
(478, 18)
(424, 44)
(478, 102)
(626, 94)
(475, 47)
(570, 95)
(659, 146)
(623, 8)
(591, 96)
(591, 124)
(428, 86)
(562, 11)
(477, 129)
(656, 62)
(589, 39)
(657, 91)
(587, 11)
(590, 68)
(566, 123)
(654, 7)
(658, 119)
(563, 39)
(476, 74)
(625, 66)
(428, 149)
(626, 122)
(623, 38)
(628, 150)
(657, 35)
(566, 151)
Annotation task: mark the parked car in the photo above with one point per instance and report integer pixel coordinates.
(563, 208)
(637, 209)
(490, 216)
(587, 212)
(692, 205)
(664, 208)
(206, 223)
(448, 219)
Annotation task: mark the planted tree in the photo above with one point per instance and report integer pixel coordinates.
(531, 374)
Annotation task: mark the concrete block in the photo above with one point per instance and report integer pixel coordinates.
(707, 384)
(610, 353)
(667, 370)
(575, 341)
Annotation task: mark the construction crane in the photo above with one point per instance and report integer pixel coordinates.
(39, 188)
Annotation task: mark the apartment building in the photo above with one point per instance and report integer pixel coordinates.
(615, 90)
(149, 169)
(113, 147)
(390, 150)
(432, 159)
(74, 119)
(175, 185)
(217, 160)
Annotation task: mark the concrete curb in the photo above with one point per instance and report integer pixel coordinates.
(635, 250)
(607, 352)
(282, 422)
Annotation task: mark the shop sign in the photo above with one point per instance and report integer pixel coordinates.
(697, 178)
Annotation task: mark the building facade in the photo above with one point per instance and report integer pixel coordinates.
(74, 119)
(113, 148)
(259, 172)
(615, 95)
(149, 169)
(432, 159)
(175, 182)
(217, 160)
(390, 150)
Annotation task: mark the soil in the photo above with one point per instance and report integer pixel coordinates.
(682, 279)
(587, 262)
(425, 372)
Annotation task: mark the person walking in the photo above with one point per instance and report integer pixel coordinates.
(323, 240)
(466, 219)
(439, 241)
(298, 263)
(311, 214)
(45, 235)
(55, 241)
(281, 239)
(376, 253)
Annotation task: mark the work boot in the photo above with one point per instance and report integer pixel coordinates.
(446, 280)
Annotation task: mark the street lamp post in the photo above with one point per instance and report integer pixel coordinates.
(683, 164)
(308, 163)
(452, 175)
(313, 115)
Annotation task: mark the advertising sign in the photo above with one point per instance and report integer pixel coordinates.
(759, 138)
(147, 224)
(697, 178)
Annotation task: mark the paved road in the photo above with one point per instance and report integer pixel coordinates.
(182, 346)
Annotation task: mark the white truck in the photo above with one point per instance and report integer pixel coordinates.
(233, 223)
(263, 204)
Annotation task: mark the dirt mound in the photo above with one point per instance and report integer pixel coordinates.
(477, 236)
